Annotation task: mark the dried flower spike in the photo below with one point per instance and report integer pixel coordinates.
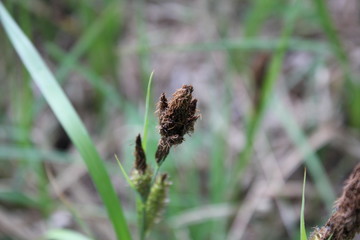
(141, 176)
(176, 118)
(140, 158)
(344, 224)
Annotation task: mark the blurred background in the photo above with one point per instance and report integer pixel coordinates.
(278, 91)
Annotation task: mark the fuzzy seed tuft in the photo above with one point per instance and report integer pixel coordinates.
(176, 118)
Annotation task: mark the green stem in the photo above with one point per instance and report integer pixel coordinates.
(143, 225)
(155, 175)
(147, 107)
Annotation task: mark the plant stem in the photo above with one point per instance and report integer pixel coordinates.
(147, 107)
(155, 175)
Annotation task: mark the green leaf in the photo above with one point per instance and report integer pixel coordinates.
(351, 86)
(147, 106)
(312, 161)
(69, 119)
(267, 89)
(126, 176)
(17, 198)
(302, 219)
(63, 234)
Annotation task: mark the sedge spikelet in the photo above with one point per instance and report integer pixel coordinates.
(142, 182)
(157, 200)
(141, 176)
(140, 157)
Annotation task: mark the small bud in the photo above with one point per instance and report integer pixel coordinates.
(141, 176)
(140, 158)
(157, 200)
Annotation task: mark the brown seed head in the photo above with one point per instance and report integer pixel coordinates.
(176, 118)
(162, 104)
(345, 221)
(162, 151)
(140, 158)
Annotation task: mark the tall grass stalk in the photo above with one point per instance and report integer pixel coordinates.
(70, 61)
(62, 234)
(96, 81)
(110, 13)
(351, 85)
(312, 161)
(69, 119)
(82, 224)
(146, 117)
(142, 201)
(143, 51)
(267, 90)
(302, 218)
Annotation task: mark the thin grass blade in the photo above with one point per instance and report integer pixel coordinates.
(126, 176)
(146, 118)
(312, 161)
(266, 92)
(351, 84)
(69, 119)
(62, 234)
(302, 219)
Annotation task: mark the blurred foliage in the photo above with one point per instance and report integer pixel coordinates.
(102, 54)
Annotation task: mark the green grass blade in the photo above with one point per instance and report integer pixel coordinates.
(144, 51)
(62, 234)
(126, 176)
(255, 18)
(328, 26)
(95, 30)
(93, 78)
(251, 44)
(259, 12)
(69, 119)
(9, 152)
(266, 92)
(312, 161)
(302, 219)
(146, 118)
(352, 87)
(18, 199)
